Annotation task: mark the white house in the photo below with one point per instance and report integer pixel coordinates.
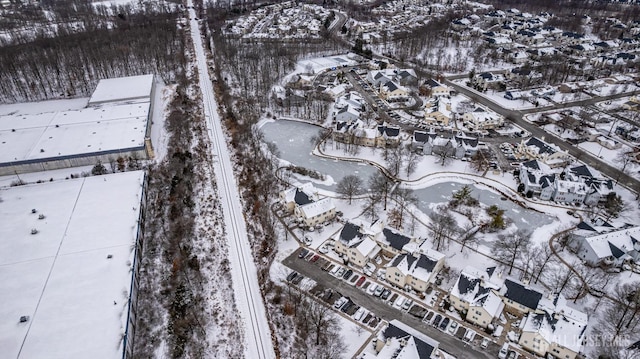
(414, 271)
(600, 242)
(473, 295)
(315, 213)
(558, 330)
(399, 340)
(480, 119)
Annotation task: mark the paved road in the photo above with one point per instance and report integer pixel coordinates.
(517, 117)
(257, 334)
(448, 343)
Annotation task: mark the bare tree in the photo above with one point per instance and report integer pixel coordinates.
(469, 236)
(624, 158)
(480, 160)
(349, 186)
(403, 197)
(380, 186)
(443, 227)
(508, 248)
(620, 315)
(544, 256)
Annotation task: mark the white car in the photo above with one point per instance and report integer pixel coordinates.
(485, 343)
(359, 314)
(323, 249)
(372, 288)
(307, 240)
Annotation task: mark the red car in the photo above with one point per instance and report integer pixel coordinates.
(315, 258)
(360, 281)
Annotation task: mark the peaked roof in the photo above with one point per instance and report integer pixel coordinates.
(395, 239)
(424, 345)
(518, 293)
(301, 198)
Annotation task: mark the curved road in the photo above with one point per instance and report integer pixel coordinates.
(517, 117)
(257, 334)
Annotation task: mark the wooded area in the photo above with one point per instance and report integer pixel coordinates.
(71, 64)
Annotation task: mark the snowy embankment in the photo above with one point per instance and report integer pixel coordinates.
(257, 335)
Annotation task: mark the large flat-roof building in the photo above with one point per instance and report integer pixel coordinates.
(116, 123)
(69, 255)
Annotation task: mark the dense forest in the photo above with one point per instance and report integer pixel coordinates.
(122, 41)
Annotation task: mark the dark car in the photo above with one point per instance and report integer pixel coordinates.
(385, 294)
(436, 320)
(346, 306)
(303, 253)
(444, 324)
(314, 258)
(347, 274)
(291, 276)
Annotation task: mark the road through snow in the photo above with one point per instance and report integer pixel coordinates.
(246, 289)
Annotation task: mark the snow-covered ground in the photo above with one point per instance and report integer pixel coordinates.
(257, 334)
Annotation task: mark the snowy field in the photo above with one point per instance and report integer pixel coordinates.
(72, 277)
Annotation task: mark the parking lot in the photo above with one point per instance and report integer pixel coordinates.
(369, 302)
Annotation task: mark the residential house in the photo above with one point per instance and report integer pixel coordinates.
(536, 179)
(603, 243)
(534, 148)
(569, 191)
(437, 89)
(347, 114)
(559, 331)
(388, 136)
(391, 91)
(474, 295)
(345, 131)
(420, 138)
(488, 80)
(414, 271)
(298, 196)
(439, 113)
(519, 298)
(442, 145)
(399, 340)
(336, 91)
(467, 145)
(480, 120)
(315, 213)
(394, 243)
(355, 245)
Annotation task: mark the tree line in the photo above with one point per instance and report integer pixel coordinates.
(70, 64)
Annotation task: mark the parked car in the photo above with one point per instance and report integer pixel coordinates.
(360, 281)
(369, 268)
(340, 302)
(436, 320)
(324, 249)
(341, 272)
(502, 354)
(485, 343)
(291, 276)
(407, 304)
(307, 240)
(314, 258)
(359, 314)
(385, 294)
(372, 288)
(444, 323)
(468, 337)
(378, 291)
(303, 253)
(347, 306)
(453, 327)
(347, 274)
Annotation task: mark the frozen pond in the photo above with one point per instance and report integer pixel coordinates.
(441, 192)
(293, 140)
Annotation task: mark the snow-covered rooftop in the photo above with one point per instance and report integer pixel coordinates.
(25, 137)
(317, 208)
(122, 89)
(75, 296)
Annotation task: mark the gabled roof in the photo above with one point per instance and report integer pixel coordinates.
(301, 198)
(542, 147)
(384, 130)
(351, 233)
(313, 209)
(424, 345)
(518, 293)
(395, 239)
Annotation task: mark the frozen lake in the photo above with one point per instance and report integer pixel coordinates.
(293, 140)
(441, 192)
